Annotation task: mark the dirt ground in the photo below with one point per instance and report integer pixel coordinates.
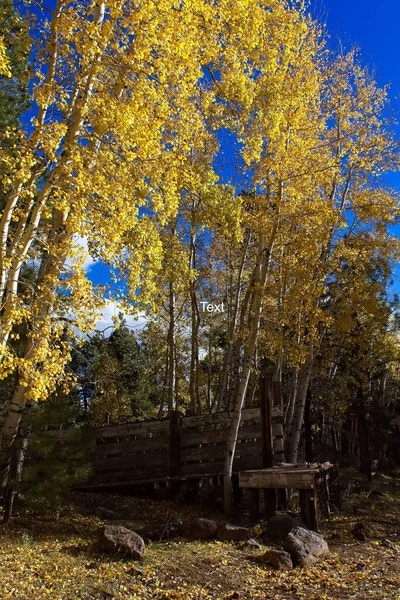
(53, 554)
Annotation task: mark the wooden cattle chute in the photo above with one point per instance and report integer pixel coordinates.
(178, 447)
(314, 482)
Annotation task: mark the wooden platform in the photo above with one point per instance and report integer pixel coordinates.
(317, 484)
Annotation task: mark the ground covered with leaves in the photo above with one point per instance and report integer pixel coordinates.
(53, 554)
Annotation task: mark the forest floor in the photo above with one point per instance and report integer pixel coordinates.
(52, 554)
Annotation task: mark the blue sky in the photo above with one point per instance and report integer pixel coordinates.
(373, 26)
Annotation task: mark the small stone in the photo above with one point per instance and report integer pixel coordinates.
(251, 544)
(204, 529)
(119, 540)
(388, 544)
(305, 547)
(233, 533)
(276, 558)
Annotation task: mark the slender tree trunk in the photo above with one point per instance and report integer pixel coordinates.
(165, 385)
(223, 380)
(19, 449)
(209, 370)
(50, 267)
(171, 353)
(237, 351)
(308, 429)
(258, 286)
(297, 424)
(195, 402)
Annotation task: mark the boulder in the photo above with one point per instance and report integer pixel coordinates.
(276, 558)
(305, 547)
(204, 529)
(233, 533)
(279, 526)
(120, 540)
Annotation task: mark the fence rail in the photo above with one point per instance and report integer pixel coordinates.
(178, 446)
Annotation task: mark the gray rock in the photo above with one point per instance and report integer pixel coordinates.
(276, 558)
(305, 547)
(204, 529)
(251, 543)
(233, 533)
(120, 540)
(279, 526)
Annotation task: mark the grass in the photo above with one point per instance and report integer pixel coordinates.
(52, 554)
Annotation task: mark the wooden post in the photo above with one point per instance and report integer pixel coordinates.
(254, 494)
(236, 490)
(267, 440)
(325, 497)
(174, 443)
(308, 506)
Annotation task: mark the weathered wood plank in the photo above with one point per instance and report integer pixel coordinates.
(118, 463)
(142, 428)
(210, 452)
(275, 478)
(250, 462)
(129, 476)
(203, 421)
(251, 432)
(132, 446)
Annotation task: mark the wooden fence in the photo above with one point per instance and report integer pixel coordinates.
(182, 446)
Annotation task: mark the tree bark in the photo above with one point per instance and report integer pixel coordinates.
(171, 351)
(18, 453)
(297, 424)
(223, 380)
(258, 285)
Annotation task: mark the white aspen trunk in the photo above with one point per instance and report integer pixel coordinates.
(195, 402)
(258, 284)
(9, 433)
(15, 251)
(222, 384)
(19, 449)
(259, 281)
(237, 348)
(50, 265)
(298, 418)
(291, 401)
(171, 350)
